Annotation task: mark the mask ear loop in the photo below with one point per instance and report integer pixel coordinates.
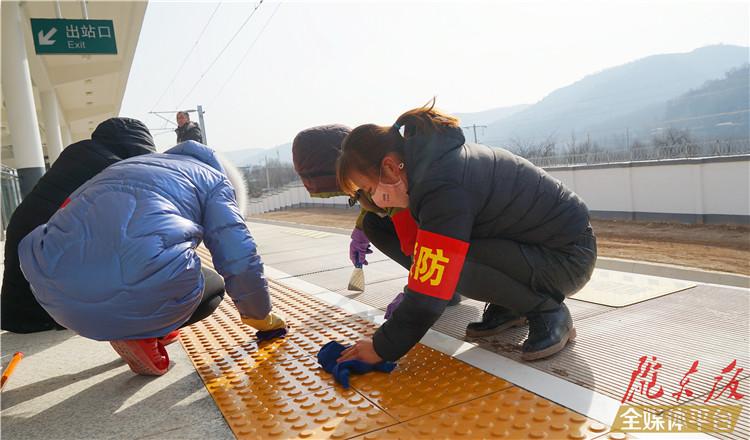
(380, 173)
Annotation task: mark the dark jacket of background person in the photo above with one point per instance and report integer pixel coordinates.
(471, 192)
(120, 261)
(113, 140)
(190, 131)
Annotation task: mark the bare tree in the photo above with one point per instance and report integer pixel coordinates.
(571, 145)
(584, 147)
(672, 136)
(273, 174)
(530, 149)
(675, 142)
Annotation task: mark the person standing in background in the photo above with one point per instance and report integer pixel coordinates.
(187, 130)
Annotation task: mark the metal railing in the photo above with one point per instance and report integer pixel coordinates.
(11, 193)
(676, 151)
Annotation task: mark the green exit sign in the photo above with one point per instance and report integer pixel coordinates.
(60, 36)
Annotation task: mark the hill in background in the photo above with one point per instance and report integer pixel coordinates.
(702, 94)
(624, 101)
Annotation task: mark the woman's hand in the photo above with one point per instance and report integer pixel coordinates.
(362, 350)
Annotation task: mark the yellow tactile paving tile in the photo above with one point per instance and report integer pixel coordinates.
(273, 380)
(425, 381)
(215, 363)
(276, 389)
(303, 308)
(614, 436)
(395, 432)
(328, 413)
(224, 329)
(511, 413)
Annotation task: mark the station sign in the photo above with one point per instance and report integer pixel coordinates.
(61, 36)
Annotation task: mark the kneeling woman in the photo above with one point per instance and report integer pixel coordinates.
(490, 225)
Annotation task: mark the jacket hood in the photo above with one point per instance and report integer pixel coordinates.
(421, 150)
(125, 137)
(314, 153)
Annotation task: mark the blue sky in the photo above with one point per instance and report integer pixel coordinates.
(303, 63)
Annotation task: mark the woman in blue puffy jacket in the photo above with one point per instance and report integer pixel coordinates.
(118, 262)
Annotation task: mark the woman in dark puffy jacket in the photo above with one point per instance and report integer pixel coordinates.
(118, 263)
(490, 225)
(113, 140)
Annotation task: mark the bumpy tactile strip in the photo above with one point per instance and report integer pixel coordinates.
(276, 389)
(512, 413)
(426, 381)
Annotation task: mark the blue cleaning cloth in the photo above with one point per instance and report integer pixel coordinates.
(270, 334)
(331, 351)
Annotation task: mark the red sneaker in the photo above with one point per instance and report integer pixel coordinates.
(170, 337)
(144, 356)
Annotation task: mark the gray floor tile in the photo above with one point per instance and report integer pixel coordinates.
(69, 387)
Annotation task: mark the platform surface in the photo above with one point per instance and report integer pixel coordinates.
(70, 387)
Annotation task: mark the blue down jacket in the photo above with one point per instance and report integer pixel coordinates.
(119, 261)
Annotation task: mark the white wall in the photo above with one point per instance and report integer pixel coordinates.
(589, 184)
(292, 195)
(726, 185)
(703, 188)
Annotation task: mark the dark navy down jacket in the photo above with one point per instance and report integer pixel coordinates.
(119, 261)
(461, 192)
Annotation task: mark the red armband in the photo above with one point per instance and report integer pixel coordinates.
(65, 202)
(437, 264)
(406, 230)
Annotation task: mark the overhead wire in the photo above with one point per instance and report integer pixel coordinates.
(210, 66)
(184, 61)
(247, 52)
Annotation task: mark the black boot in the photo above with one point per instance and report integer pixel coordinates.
(549, 331)
(455, 300)
(495, 319)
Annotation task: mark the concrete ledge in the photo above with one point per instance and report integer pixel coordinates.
(653, 162)
(672, 271)
(701, 219)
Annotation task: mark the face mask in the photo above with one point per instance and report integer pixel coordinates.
(391, 195)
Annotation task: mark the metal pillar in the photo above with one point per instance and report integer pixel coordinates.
(202, 124)
(51, 125)
(19, 100)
